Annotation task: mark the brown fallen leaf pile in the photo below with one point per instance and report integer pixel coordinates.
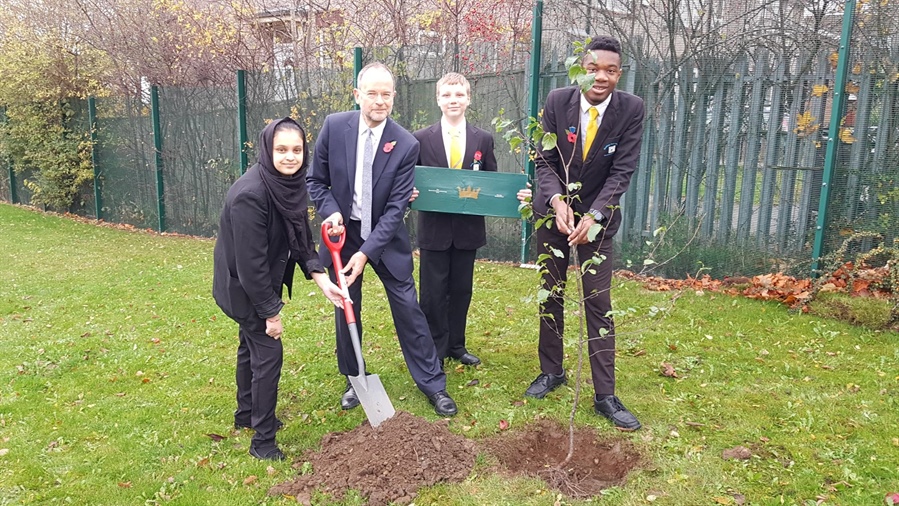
(861, 281)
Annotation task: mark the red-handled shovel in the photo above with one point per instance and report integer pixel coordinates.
(368, 388)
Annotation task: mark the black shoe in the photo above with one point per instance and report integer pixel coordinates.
(349, 400)
(270, 454)
(610, 407)
(469, 359)
(239, 425)
(544, 384)
(444, 405)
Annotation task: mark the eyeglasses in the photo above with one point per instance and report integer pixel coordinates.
(386, 96)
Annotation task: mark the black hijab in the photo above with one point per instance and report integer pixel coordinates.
(289, 193)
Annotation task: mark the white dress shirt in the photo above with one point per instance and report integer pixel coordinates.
(356, 210)
(447, 138)
(585, 115)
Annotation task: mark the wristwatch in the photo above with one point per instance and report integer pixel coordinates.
(597, 216)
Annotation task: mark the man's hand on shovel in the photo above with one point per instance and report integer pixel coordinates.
(354, 267)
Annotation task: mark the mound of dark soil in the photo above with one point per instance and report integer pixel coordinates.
(384, 464)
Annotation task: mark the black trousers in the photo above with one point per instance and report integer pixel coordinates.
(446, 279)
(408, 319)
(259, 360)
(597, 283)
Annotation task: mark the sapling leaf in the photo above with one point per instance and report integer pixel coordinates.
(575, 72)
(594, 231)
(549, 141)
(542, 295)
(585, 80)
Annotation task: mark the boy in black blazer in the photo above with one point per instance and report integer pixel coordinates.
(599, 133)
(448, 242)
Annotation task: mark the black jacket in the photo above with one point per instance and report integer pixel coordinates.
(252, 255)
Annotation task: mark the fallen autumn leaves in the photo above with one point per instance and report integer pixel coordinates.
(861, 281)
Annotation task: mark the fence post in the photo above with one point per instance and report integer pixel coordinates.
(533, 112)
(357, 67)
(13, 194)
(242, 118)
(833, 134)
(157, 144)
(773, 141)
(752, 150)
(92, 121)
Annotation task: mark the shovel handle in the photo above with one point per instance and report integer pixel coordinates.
(349, 314)
(334, 247)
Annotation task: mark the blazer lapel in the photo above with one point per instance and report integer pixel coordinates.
(382, 155)
(573, 118)
(605, 127)
(351, 134)
(435, 144)
(471, 145)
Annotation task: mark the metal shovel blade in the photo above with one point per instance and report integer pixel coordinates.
(373, 398)
(369, 389)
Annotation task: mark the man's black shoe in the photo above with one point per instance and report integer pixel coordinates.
(270, 454)
(443, 404)
(544, 384)
(469, 359)
(240, 425)
(349, 400)
(611, 407)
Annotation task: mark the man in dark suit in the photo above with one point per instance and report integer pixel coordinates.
(599, 132)
(448, 242)
(361, 181)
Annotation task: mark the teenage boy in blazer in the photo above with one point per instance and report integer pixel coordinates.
(599, 132)
(448, 242)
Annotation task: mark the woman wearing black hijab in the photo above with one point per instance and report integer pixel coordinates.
(263, 234)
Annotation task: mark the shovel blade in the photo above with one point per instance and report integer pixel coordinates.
(373, 397)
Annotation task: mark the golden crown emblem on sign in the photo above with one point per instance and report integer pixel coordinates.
(468, 193)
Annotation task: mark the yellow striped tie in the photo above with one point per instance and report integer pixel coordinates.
(455, 150)
(592, 127)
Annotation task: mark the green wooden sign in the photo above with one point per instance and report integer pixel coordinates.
(464, 191)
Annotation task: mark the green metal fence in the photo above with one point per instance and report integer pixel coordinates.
(734, 159)
(736, 156)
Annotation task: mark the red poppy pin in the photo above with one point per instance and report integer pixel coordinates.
(476, 164)
(388, 146)
(572, 136)
(477, 156)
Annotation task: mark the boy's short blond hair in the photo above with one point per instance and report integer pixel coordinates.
(454, 78)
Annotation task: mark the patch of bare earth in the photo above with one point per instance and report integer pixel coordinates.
(390, 463)
(539, 448)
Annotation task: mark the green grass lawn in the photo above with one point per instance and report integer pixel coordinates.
(116, 365)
